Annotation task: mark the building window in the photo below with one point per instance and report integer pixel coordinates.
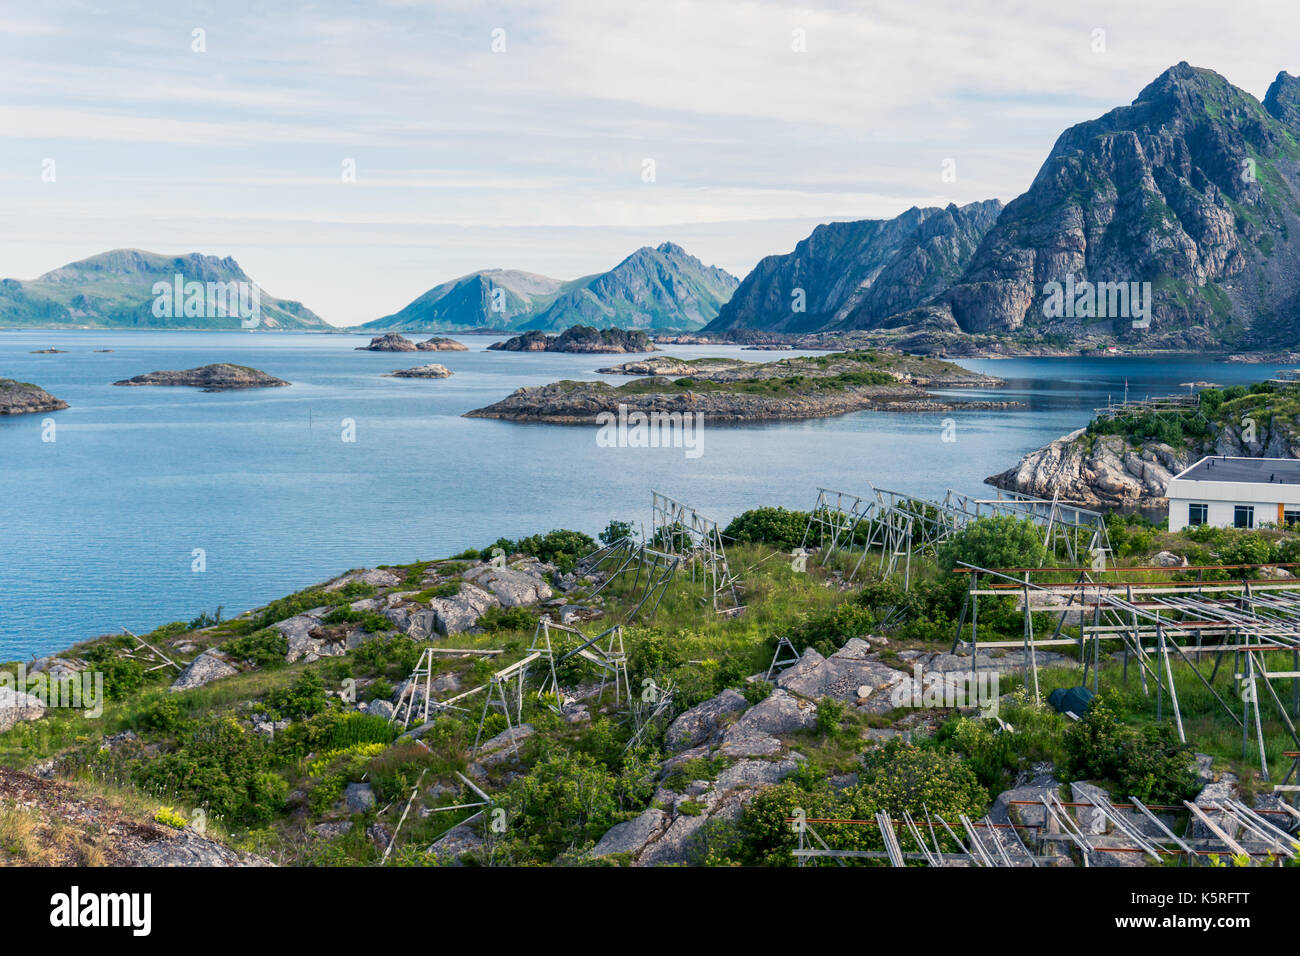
(1199, 514)
(1290, 517)
(1243, 516)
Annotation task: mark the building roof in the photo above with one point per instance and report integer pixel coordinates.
(1252, 470)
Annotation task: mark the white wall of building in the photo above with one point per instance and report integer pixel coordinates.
(1222, 497)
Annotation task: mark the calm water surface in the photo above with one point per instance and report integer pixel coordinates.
(98, 527)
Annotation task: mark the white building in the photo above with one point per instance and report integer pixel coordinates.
(1235, 493)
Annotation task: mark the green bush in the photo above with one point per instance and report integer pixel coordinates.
(507, 619)
(304, 697)
(615, 530)
(997, 541)
(561, 547)
(776, 527)
(123, 676)
(1147, 762)
(263, 648)
(222, 766)
(565, 802)
(160, 712)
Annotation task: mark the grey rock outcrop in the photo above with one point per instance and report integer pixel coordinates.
(16, 705)
(703, 722)
(207, 667)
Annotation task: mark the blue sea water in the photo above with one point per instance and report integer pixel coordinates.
(98, 528)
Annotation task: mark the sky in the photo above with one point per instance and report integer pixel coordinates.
(353, 155)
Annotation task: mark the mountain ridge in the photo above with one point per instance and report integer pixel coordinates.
(653, 288)
(120, 288)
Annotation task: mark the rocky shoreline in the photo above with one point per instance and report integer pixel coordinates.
(220, 377)
(1110, 471)
(580, 403)
(1104, 472)
(726, 390)
(24, 398)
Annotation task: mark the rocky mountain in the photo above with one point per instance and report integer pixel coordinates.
(493, 298)
(851, 275)
(1186, 203)
(654, 288)
(664, 287)
(129, 288)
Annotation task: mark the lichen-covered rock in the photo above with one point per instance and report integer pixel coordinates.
(631, 836)
(359, 798)
(207, 667)
(513, 586)
(461, 611)
(779, 713)
(703, 721)
(377, 577)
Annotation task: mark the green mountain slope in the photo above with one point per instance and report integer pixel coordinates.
(121, 289)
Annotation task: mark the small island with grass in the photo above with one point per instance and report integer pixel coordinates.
(221, 377)
(24, 398)
(736, 391)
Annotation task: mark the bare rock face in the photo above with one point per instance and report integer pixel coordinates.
(703, 722)
(23, 398)
(462, 611)
(855, 274)
(377, 577)
(779, 713)
(220, 377)
(513, 586)
(204, 669)
(843, 675)
(209, 666)
(1104, 470)
(438, 344)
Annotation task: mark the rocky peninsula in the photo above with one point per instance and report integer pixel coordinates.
(221, 377)
(22, 398)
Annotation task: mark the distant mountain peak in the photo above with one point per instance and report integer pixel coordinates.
(115, 289)
(655, 287)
